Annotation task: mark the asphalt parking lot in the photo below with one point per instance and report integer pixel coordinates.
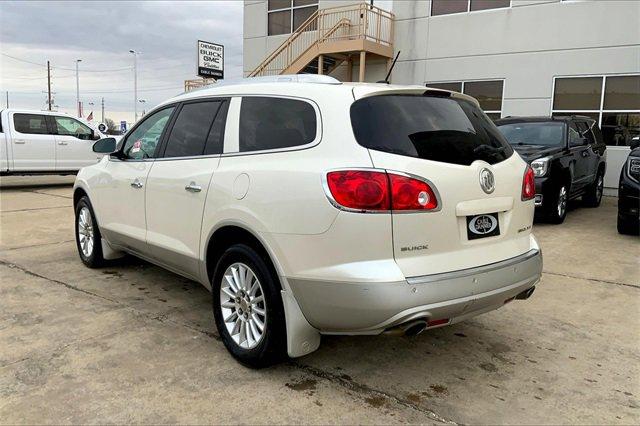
(135, 343)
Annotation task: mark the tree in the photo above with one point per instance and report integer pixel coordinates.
(112, 129)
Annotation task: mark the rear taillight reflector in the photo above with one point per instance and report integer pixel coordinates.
(528, 185)
(433, 323)
(373, 190)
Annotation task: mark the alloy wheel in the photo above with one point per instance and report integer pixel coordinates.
(85, 232)
(599, 188)
(243, 307)
(562, 201)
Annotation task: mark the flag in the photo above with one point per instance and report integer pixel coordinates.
(90, 116)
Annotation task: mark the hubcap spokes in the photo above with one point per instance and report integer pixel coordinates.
(562, 201)
(243, 306)
(85, 231)
(599, 188)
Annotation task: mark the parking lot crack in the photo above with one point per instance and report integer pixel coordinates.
(51, 280)
(367, 392)
(636, 286)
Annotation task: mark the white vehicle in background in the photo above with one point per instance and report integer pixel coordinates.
(45, 142)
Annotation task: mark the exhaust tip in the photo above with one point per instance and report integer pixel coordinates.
(414, 328)
(526, 294)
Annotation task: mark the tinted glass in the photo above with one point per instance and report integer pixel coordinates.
(189, 132)
(304, 2)
(488, 93)
(301, 15)
(455, 86)
(272, 123)
(585, 130)
(279, 22)
(432, 128)
(577, 93)
(279, 4)
(574, 136)
(30, 123)
(142, 142)
(444, 7)
(534, 133)
(489, 4)
(619, 128)
(70, 127)
(215, 140)
(622, 92)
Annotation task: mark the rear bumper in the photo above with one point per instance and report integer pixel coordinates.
(370, 308)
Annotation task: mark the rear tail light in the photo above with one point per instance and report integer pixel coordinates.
(528, 185)
(373, 190)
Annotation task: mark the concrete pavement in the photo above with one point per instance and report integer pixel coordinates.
(135, 343)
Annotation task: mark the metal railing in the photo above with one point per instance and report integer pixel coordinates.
(353, 22)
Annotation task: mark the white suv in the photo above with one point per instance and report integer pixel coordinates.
(314, 207)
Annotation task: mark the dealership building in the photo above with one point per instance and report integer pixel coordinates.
(517, 57)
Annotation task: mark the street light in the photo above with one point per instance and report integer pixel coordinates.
(142, 101)
(78, 88)
(135, 83)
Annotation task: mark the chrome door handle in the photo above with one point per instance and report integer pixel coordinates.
(19, 141)
(136, 184)
(192, 187)
(62, 143)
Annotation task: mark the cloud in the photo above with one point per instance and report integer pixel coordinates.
(101, 34)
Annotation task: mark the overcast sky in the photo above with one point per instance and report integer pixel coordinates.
(101, 34)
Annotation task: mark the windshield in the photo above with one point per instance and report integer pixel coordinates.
(540, 133)
(432, 128)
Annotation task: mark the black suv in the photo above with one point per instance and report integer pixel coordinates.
(629, 192)
(567, 155)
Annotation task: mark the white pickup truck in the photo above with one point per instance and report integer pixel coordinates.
(44, 142)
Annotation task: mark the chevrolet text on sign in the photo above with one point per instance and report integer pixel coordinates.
(210, 59)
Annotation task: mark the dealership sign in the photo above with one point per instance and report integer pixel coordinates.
(210, 60)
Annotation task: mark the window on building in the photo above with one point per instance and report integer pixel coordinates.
(34, 124)
(275, 123)
(612, 101)
(286, 16)
(487, 92)
(446, 7)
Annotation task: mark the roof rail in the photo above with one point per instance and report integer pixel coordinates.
(283, 78)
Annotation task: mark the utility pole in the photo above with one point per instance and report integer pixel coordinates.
(135, 84)
(78, 88)
(48, 87)
(7, 99)
(102, 120)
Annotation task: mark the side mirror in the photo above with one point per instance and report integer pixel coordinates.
(635, 142)
(105, 146)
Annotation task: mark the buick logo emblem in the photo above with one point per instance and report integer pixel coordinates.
(483, 224)
(487, 181)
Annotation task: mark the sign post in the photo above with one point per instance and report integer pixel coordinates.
(210, 60)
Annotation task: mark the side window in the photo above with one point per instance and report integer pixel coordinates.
(215, 140)
(142, 142)
(189, 133)
(275, 123)
(68, 126)
(574, 135)
(585, 131)
(34, 124)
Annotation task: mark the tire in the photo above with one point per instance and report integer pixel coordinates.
(593, 196)
(628, 226)
(244, 311)
(88, 239)
(556, 208)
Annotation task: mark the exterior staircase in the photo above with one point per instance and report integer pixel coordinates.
(331, 36)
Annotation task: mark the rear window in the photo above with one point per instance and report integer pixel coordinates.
(443, 129)
(30, 123)
(275, 123)
(534, 133)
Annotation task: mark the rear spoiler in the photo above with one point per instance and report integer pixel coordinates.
(360, 92)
